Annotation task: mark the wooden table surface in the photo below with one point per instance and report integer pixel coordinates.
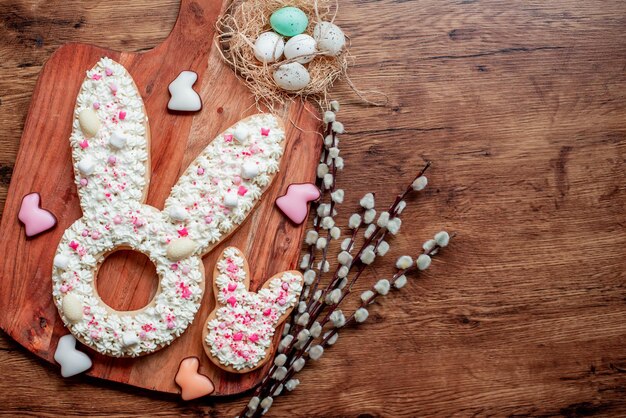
(522, 107)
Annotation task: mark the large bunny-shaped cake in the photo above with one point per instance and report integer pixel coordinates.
(110, 149)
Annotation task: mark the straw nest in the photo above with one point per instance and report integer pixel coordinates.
(244, 21)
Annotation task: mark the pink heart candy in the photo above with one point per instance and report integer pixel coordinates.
(35, 219)
(294, 204)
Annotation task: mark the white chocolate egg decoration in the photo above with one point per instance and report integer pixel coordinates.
(292, 76)
(303, 47)
(330, 38)
(269, 47)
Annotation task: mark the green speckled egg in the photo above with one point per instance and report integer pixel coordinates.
(289, 21)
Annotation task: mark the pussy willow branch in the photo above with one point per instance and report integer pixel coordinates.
(317, 306)
(304, 327)
(271, 387)
(333, 171)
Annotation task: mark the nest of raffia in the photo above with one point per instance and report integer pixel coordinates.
(242, 23)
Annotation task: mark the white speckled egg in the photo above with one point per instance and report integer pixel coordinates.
(269, 47)
(330, 38)
(302, 47)
(292, 76)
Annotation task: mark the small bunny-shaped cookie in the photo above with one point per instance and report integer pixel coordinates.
(110, 150)
(238, 333)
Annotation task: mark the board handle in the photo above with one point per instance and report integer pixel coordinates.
(195, 26)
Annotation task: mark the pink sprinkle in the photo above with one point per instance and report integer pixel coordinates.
(111, 160)
(84, 144)
(222, 325)
(108, 72)
(170, 325)
(184, 290)
(113, 87)
(285, 286)
(237, 336)
(200, 171)
(117, 220)
(122, 115)
(82, 251)
(95, 235)
(216, 180)
(242, 191)
(254, 149)
(183, 232)
(96, 77)
(64, 288)
(93, 334)
(139, 222)
(265, 131)
(208, 219)
(174, 267)
(232, 300)
(73, 245)
(231, 267)
(186, 270)
(232, 286)
(267, 312)
(254, 338)
(236, 180)
(86, 310)
(85, 233)
(282, 301)
(83, 182)
(96, 105)
(228, 137)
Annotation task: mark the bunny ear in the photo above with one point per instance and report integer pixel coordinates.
(221, 187)
(110, 137)
(239, 332)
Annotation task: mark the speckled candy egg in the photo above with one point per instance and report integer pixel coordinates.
(269, 47)
(289, 21)
(330, 38)
(303, 46)
(292, 76)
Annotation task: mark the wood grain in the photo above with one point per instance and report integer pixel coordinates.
(521, 106)
(44, 164)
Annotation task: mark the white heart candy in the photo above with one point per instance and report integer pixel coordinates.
(178, 213)
(61, 261)
(86, 166)
(241, 133)
(249, 170)
(130, 339)
(231, 200)
(118, 140)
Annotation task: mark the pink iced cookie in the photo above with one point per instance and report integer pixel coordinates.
(239, 332)
(35, 219)
(295, 203)
(193, 384)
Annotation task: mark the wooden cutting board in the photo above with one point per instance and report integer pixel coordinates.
(127, 280)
